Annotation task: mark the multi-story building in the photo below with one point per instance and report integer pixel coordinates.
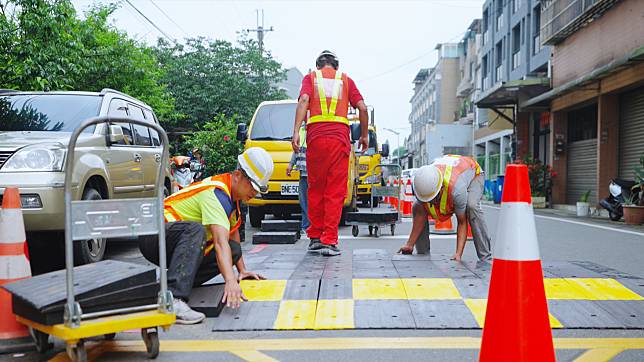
(434, 107)
(597, 99)
(514, 68)
(468, 89)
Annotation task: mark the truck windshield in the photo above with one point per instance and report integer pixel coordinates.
(274, 122)
(47, 112)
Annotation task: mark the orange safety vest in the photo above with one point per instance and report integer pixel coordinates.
(222, 182)
(451, 166)
(330, 101)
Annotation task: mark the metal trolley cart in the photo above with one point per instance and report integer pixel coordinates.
(380, 217)
(108, 219)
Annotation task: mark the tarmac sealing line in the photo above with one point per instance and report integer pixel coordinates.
(579, 223)
(596, 348)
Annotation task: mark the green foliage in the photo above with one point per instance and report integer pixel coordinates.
(212, 77)
(639, 179)
(585, 196)
(44, 46)
(217, 143)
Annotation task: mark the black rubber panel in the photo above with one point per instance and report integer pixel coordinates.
(281, 225)
(454, 269)
(305, 289)
(105, 285)
(207, 300)
(336, 289)
(383, 216)
(386, 314)
(379, 273)
(582, 314)
(411, 257)
(630, 313)
(250, 316)
(564, 269)
(338, 270)
(606, 271)
(418, 269)
(442, 314)
(276, 237)
(482, 269)
(472, 288)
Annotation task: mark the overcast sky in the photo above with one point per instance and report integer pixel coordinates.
(381, 44)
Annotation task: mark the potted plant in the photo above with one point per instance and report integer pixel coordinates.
(583, 207)
(540, 176)
(634, 206)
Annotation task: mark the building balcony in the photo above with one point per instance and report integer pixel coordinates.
(562, 18)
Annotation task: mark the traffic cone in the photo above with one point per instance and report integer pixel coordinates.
(443, 227)
(395, 201)
(517, 327)
(14, 265)
(408, 200)
(469, 232)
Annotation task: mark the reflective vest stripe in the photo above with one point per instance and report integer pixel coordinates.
(196, 188)
(336, 92)
(320, 81)
(328, 113)
(169, 214)
(322, 118)
(446, 188)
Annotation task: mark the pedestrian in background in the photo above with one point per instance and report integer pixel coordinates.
(326, 94)
(298, 163)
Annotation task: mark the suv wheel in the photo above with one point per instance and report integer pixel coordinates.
(92, 250)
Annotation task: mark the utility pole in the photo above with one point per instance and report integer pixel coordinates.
(260, 31)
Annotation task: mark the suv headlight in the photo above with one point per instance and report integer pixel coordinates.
(41, 157)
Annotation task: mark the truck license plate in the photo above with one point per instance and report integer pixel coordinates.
(290, 189)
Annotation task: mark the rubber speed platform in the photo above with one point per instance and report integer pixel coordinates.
(373, 289)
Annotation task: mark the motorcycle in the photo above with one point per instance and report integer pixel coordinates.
(620, 190)
(197, 168)
(180, 166)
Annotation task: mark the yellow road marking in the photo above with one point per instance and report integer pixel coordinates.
(253, 356)
(599, 355)
(431, 288)
(334, 314)
(296, 314)
(263, 290)
(378, 289)
(588, 289)
(478, 306)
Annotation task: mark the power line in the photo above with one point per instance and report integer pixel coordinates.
(151, 22)
(168, 16)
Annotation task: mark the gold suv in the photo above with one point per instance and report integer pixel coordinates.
(34, 132)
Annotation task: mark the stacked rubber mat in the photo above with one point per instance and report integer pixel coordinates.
(278, 232)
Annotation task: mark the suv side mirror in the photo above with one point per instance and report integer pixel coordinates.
(355, 132)
(385, 150)
(242, 132)
(116, 134)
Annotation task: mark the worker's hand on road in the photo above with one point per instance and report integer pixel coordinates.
(289, 169)
(364, 143)
(295, 142)
(406, 249)
(250, 275)
(233, 295)
(455, 257)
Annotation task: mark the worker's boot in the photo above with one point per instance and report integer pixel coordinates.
(315, 244)
(330, 250)
(185, 315)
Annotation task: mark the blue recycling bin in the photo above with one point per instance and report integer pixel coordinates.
(488, 190)
(494, 191)
(498, 189)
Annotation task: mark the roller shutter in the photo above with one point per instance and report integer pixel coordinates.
(582, 170)
(631, 132)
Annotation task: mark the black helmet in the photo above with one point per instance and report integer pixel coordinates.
(327, 57)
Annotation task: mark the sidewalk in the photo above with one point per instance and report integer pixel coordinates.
(561, 213)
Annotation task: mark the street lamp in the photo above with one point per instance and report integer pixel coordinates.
(397, 143)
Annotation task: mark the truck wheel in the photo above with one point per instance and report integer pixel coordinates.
(354, 230)
(91, 250)
(376, 201)
(256, 216)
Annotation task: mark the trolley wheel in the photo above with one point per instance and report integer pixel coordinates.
(376, 231)
(77, 353)
(393, 229)
(354, 230)
(151, 339)
(370, 230)
(110, 336)
(41, 340)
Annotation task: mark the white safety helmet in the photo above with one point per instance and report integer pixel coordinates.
(257, 164)
(328, 55)
(427, 183)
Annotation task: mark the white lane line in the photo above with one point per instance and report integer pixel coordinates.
(580, 223)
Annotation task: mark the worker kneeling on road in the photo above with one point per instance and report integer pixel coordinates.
(202, 232)
(450, 185)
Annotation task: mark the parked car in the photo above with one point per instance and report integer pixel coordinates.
(35, 128)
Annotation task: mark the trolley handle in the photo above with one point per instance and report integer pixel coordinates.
(72, 308)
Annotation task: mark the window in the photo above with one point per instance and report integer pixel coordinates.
(141, 133)
(499, 14)
(118, 108)
(516, 46)
(516, 5)
(499, 61)
(155, 136)
(536, 30)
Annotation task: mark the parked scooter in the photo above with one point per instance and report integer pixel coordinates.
(620, 190)
(180, 166)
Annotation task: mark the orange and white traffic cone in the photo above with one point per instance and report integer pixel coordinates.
(445, 227)
(469, 232)
(517, 327)
(408, 200)
(14, 265)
